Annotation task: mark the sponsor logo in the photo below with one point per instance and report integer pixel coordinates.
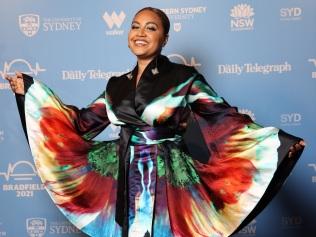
(182, 60)
(242, 17)
(2, 232)
(69, 24)
(19, 64)
(264, 69)
(114, 20)
(247, 112)
(36, 227)
(249, 230)
(313, 166)
(1, 135)
(17, 175)
(313, 61)
(184, 13)
(291, 119)
(93, 74)
(177, 26)
(29, 24)
(290, 14)
(62, 228)
(289, 222)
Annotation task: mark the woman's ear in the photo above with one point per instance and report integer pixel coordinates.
(165, 41)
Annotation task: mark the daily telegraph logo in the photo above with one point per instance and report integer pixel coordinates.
(36, 227)
(92, 74)
(178, 58)
(247, 112)
(29, 24)
(313, 61)
(22, 65)
(112, 20)
(265, 69)
(242, 17)
(313, 166)
(18, 177)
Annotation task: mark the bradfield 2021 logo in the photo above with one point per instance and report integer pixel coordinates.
(178, 58)
(18, 178)
(242, 17)
(19, 64)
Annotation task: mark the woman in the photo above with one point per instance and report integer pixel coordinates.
(147, 183)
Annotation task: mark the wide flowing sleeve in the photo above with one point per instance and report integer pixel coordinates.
(246, 164)
(80, 174)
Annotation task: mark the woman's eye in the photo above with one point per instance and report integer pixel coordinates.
(134, 27)
(151, 28)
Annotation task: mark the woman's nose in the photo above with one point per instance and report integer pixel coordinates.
(141, 31)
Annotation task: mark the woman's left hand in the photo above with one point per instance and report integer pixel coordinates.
(295, 148)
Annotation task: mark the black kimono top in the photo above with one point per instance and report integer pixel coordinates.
(156, 179)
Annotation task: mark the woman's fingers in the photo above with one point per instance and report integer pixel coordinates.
(16, 83)
(298, 146)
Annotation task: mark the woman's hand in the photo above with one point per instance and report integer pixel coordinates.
(16, 83)
(295, 148)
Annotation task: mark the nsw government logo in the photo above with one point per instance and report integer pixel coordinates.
(36, 227)
(247, 112)
(242, 17)
(249, 230)
(29, 24)
(112, 20)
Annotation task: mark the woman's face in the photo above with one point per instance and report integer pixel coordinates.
(146, 36)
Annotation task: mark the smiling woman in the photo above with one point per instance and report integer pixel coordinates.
(147, 183)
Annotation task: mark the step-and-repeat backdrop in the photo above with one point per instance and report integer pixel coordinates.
(258, 55)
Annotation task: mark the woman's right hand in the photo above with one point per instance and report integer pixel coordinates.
(16, 83)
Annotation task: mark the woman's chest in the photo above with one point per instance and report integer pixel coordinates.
(154, 101)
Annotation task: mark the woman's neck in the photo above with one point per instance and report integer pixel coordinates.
(142, 63)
